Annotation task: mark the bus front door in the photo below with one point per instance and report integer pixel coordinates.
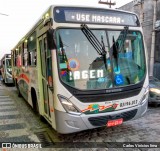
(44, 53)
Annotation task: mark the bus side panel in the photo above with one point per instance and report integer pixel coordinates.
(52, 99)
(3, 69)
(33, 84)
(52, 109)
(22, 81)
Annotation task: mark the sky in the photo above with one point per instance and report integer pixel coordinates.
(22, 15)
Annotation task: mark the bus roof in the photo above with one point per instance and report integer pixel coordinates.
(99, 6)
(6, 56)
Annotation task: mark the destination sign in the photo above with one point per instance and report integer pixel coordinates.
(94, 16)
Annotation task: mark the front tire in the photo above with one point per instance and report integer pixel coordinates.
(35, 102)
(19, 93)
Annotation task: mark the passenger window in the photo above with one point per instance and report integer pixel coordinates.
(32, 53)
(49, 64)
(25, 55)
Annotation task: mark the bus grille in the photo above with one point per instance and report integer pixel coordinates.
(102, 120)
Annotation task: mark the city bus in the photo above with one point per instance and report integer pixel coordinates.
(83, 67)
(6, 69)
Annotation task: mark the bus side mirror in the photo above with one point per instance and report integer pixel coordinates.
(50, 39)
(3, 62)
(47, 20)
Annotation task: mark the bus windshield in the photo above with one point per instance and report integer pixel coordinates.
(8, 66)
(8, 63)
(81, 67)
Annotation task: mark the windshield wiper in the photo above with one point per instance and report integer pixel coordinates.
(62, 49)
(116, 44)
(115, 52)
(99, 47)
(105, 53)
(123, 38)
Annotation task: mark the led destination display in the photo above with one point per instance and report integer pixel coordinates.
(94, 16)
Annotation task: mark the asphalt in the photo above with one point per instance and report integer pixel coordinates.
(18, 123)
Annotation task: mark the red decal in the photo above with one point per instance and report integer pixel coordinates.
(25, 77)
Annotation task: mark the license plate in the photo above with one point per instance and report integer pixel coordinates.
(114, 122)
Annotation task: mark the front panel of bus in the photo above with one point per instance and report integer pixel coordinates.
(7, 70)
(99, 68)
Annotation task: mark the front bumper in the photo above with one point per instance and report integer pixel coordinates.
(9, 80)
(154, 100)
(69, 123)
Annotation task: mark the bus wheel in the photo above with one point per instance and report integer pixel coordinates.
(34, 101)
(19, 93)
(35, 105)
(14, 82)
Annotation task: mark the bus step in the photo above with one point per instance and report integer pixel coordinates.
(45, 139)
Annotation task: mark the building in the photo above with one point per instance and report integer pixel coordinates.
(145, 10)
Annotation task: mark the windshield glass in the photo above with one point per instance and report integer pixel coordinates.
(83, 68)
(8, 63)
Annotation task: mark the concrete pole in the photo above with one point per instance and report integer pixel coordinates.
(141, 13)
(153, 40)
(139, 6)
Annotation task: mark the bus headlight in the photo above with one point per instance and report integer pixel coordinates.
(68, 106)
(155, 90)
(145, 95)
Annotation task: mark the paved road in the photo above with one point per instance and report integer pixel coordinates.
(19, 123)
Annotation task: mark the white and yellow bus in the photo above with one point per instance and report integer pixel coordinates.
(6, 69)
(83, 67)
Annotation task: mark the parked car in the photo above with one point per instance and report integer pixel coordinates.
(154, 91)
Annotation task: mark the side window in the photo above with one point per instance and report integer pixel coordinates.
(19, 56)
(25, 55)
(12, 58)
(46, 62)
(16, 56)
(49, 64)
(20, 50)
(42, 57)
(32, 54)
(12, 55)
